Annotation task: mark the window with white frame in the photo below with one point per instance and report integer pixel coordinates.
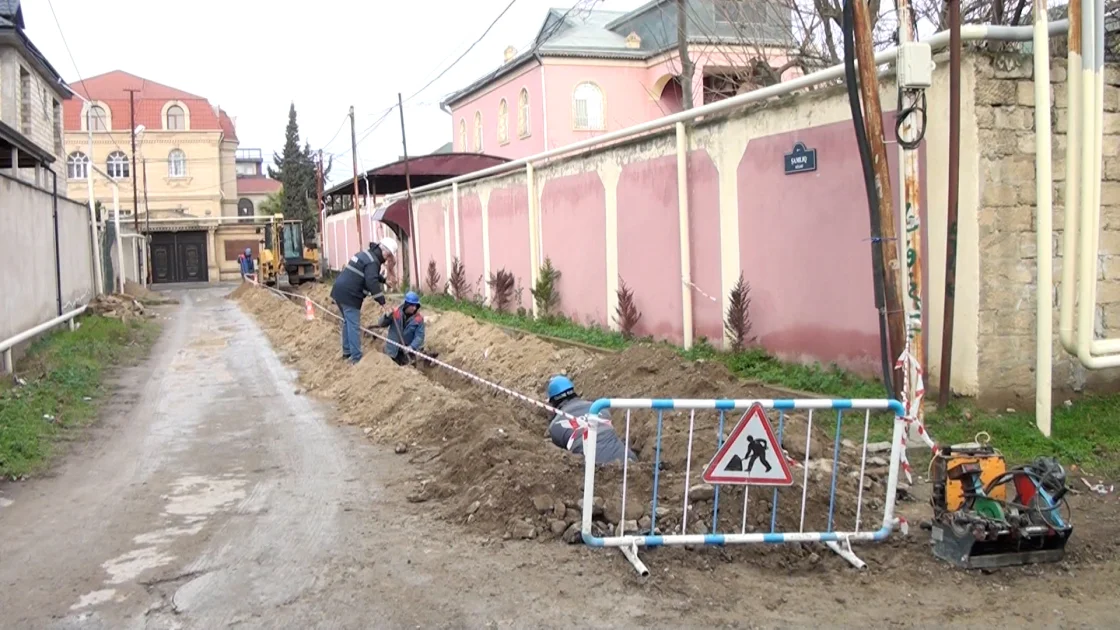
(523, 113)
(463, 146)
(117, 165)
(587, 107)
(478, 132)
(176, 118)
(77, 165)
(176, 163)
(503, 122)
(96, 118)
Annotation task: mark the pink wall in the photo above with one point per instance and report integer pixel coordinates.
(429, 217)
(704, 258)
(649, 257)
(470, 233)
(508, 218)
(487, 103)
(573, 229)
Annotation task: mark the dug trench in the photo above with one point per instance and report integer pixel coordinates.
(485, 462)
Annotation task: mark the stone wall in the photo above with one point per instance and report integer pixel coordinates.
(1004, 97)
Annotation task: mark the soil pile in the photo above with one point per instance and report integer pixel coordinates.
(492, 465)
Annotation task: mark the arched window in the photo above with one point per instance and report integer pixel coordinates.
(117, 165)
(503, 122)
(523, 113)
(77, 165)
(176, 163)
(463, 146)
(587, 107)
(176, 119)
(245, 207)
(97, 119)
(478, 132)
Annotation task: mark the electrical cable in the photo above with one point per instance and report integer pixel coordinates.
(879, 279)
(919, 108)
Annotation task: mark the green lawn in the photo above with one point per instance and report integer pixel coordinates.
(63, 374)
(1086, 434)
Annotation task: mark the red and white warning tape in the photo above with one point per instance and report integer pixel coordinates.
(908, 363)
(580, 424)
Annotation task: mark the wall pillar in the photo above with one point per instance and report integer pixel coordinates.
(484, 200)
(609, 173)
(686, 255)
(215, 274)
(447, 242)
(727, 151)
(534, 231)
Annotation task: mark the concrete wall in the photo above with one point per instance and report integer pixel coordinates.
(29, 283)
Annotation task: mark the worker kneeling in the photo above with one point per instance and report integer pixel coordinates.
(406, 328)
(562, 395)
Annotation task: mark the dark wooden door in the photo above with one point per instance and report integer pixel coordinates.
(179, 257)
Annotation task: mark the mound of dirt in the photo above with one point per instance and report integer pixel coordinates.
(492, 465)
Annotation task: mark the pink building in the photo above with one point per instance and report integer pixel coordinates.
(591, 72)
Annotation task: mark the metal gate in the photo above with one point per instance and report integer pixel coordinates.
(179, 257)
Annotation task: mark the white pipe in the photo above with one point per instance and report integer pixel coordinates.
(969, 32)
(682, 214)
(1071, 198)
(1092, 85)
(9, 343)
(631, 554)
(846, 553)
(1044, 181)
(120, 244)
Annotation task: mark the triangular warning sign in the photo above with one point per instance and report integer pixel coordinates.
(751, 455)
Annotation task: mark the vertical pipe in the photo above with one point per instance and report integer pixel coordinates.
(589, 447)
(99, 281)
(1071, 199)
(147, 224)
(719, 444)
(1044, 181)
(687, 470)
(320, 210)
(120, 241)
(682, 215)
(835, 468)
(805, 479)
(656, 473)
(57, 248)
(774, 500)
(946, 367)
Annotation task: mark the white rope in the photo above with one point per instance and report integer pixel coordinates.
(577, 424)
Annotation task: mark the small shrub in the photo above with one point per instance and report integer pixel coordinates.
(479, 294)
(458, 280)
(502, 290)
(546, 292)
(738, 321)
(433, 277)
(628, 314)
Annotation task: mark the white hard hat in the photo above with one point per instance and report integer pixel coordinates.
(390, 244)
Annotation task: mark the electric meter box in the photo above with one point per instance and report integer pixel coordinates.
(914, 64)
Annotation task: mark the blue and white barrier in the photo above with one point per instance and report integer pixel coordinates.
(835, 535)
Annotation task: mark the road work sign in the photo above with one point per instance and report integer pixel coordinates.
(751, 455)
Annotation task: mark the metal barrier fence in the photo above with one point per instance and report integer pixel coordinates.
(744, 460)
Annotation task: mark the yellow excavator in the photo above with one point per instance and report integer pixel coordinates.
(283, 257)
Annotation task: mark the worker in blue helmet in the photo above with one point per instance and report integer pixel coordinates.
(245, 262)
(406, 328)
(562, 395)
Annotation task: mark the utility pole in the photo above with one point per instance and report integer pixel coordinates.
(910, 198)
(319, 207)
(682, 52)
(135, 194)
(147, 221)
(354, 152)
(873, 119)
(415, 238)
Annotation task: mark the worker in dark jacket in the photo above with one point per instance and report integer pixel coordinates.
(406, 328)
(562, 395)
(360, 277)
(245, 261)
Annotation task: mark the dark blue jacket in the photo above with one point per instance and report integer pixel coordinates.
(360, 277)
(412, 329)
(608, 447)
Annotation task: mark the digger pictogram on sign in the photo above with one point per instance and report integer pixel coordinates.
(751, 455)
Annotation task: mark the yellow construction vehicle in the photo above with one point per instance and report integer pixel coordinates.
(283, 257)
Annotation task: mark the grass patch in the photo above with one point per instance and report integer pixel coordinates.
(64, 373)
(558, 327)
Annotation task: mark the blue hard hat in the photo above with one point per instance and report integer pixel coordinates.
(558, 385)
(248, 251)
(412, 298)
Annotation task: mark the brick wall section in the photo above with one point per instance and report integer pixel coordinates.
(1008, 266)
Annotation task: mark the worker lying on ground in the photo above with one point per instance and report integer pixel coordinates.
(562, 395)
(406, 328)
(361, 277)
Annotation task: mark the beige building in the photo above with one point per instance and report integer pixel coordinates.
(184, 170)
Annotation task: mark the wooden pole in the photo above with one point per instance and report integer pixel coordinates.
(354, 151)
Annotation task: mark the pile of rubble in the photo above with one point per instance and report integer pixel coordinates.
(118, 306)
(145, 296)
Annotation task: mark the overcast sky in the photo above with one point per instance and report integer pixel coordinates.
(254, 57)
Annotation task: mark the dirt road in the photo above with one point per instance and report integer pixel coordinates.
(213, 494)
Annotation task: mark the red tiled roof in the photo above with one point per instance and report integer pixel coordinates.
(109, 88)
(257, 185)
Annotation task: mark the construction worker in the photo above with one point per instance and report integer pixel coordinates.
(562, 395)
(245, 261)
(361, 277)
(406, 328)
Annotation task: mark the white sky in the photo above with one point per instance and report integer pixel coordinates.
(254, 57)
